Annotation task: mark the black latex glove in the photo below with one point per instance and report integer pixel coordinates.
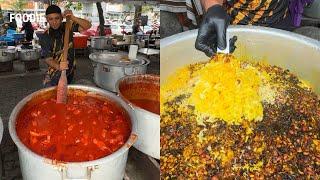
(212, 31)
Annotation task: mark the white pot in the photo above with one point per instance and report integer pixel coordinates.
(285, 49)
(148, 123)
(36, 167)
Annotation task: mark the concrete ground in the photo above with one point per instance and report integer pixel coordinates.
(18, 84)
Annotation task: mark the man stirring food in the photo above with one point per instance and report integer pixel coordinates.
(51, 42)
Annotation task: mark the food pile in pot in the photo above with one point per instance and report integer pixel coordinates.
(88, 127)
(228, 118)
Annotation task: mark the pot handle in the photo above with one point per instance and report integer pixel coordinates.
(4, 53)
(105, 68)
(132, 139)
(132, 71)
(72, 173)
(94, 65)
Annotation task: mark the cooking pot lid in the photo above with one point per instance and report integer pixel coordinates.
(101, 37)
(8, 49)
(115, 59)
(29, 48)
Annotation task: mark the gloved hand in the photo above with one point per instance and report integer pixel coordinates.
(212, 31)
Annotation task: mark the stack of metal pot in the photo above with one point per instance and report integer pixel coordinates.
(101, 44)
(110, 67)
(30, 55)
(7, 55)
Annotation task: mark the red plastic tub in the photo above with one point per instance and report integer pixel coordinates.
(80, 41)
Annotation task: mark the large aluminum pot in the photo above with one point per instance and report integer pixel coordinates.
(110, 67)
(29, 54)
(297, 53)
(36, 167)
(7, 54)
(101, 42)
(146, 87)
(313, 10)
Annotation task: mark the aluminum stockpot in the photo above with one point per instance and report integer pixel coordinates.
(29, 54)
(36, 167)
(101, 42)
(110, 67)
(299, 54)
(7, 54)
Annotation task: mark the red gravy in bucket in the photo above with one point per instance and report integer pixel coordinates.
(86, 128)
(149, 105)
(142, 91)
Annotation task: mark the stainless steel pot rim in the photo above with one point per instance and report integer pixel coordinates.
(9, 51)
(245, 28)
(101, 37)
(30, 50)
(114, 59)
(90, 90)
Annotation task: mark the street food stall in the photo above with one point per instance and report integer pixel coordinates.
(42, 149)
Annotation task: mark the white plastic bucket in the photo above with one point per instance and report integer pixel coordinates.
(36, 167)
(148, 123)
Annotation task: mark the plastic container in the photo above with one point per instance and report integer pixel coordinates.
(143, 87)
(80, 41)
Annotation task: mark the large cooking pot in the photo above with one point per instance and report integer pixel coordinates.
(36, 167)
(297, 53)
(110, 67)
(7, 54)
(144, 87)
(101, 42)
(29, 54)
(313, 10)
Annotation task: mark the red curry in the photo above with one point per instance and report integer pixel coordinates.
(86, 128)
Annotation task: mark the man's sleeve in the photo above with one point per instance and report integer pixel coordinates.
(45, 43)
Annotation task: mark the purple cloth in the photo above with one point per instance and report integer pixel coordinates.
(296, 9)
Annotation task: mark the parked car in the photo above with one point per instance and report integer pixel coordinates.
(94, 30)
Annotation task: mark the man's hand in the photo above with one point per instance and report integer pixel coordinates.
(68, 13)
(63, 65)
(212, 31)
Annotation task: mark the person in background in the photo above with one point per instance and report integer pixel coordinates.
(52, 44)
(28, 29)
(212, 17)
(136, 29)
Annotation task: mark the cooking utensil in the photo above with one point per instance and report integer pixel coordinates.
(7, 54)
(227, 49)
(110, 67)
(62, 89)
(29, 54)
(101, 42)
